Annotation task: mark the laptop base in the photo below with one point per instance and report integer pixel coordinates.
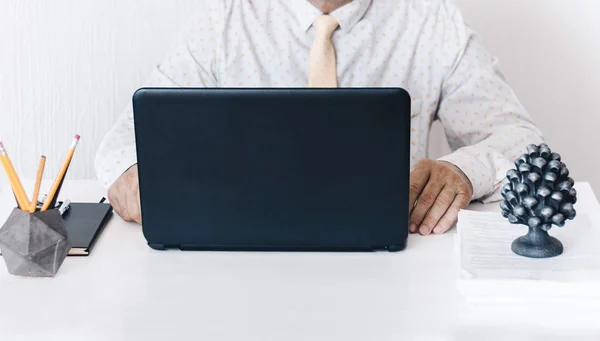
(266, 248)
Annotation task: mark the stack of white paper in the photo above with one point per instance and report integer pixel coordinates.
(500, 285)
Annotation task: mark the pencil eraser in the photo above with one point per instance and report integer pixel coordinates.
(77, 137)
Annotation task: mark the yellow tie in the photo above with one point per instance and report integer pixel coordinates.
(322, 69)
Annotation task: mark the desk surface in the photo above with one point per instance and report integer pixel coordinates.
(127, 291)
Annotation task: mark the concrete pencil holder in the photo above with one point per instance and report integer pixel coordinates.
(34, 244)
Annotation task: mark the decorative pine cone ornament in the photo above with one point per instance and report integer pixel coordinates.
(539, 194)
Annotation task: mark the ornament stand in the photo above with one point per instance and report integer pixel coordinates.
(537, 243)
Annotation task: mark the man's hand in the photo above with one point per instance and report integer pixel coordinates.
(438, 190)
(124, 196)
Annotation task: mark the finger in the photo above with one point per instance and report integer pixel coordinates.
(131, 203)
(133, 190)
(424, 203)
(418, 181)
(122, 195)
(439, 208)
(125, 211)
(115, 200)
(138, 214)
(449, 218)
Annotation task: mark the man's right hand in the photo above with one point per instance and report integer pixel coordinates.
(124, 196)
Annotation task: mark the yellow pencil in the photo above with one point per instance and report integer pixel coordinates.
(14, 179)
(61, 174)
(38, 182)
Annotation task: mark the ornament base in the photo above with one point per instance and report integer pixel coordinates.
(537, 243)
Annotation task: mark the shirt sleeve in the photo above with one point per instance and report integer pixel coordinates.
(486, 125)
(190, 63)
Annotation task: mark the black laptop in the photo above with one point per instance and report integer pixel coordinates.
(274, 169)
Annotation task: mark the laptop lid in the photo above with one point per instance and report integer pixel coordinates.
(273, 169)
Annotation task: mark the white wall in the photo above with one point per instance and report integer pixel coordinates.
(70, 66)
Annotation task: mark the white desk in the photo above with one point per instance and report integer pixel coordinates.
(127, 291)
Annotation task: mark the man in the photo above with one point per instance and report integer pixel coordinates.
(423, 46)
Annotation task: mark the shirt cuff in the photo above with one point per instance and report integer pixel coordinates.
(115, 164)
(486, 171)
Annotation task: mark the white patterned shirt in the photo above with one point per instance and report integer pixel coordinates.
(423, 46)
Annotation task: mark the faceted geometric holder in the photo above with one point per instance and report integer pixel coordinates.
(34, 244)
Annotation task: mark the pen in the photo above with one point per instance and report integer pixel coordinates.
(15, 183)
(53, 194)
(64, 207)
(38, 182)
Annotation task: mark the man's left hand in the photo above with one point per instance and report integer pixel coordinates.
(438, 190)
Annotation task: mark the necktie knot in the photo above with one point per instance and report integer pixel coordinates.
(325, 25)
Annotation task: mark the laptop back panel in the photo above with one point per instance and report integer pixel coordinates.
(273, 169)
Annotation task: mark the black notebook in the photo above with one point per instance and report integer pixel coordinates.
(85, 222)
